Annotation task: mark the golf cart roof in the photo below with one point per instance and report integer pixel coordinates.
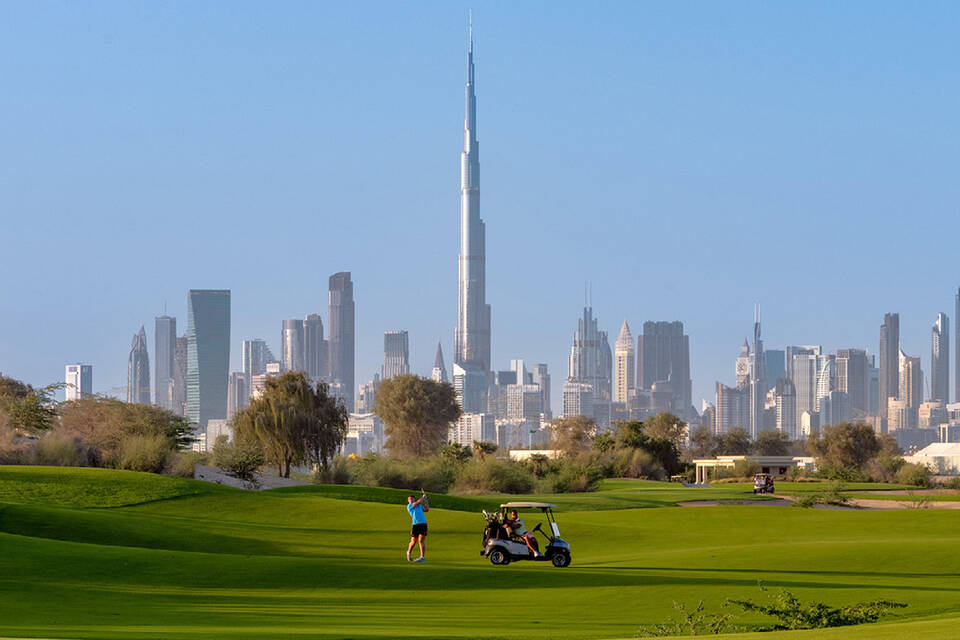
(528, 505)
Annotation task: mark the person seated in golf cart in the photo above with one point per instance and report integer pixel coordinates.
(514, 524)
(763, 483)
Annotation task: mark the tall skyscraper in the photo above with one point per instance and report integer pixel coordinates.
(542, 377)
(79, 381)
(775, 366)
(341, 319)
(852, 378)
(591, 362)
(624, 366)
(826, 378)
(758, 388)
(238, 394)
(165, 343)
(805, 366)
(911, 381)
(315, 348)
(956, 348)
(256, 355)
(291, 345)
(786, 407)
(940, 359)
(889, 359)
(742, 366)
(471, 351)
(439, 373)
(396, 354)
(663, 353)
(367, 395)
(179, 386)
(138, 370)
(208, 354)
(732, 408)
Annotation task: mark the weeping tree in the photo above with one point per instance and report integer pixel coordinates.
(293, 422)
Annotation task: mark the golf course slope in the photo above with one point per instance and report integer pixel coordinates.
(90, 553)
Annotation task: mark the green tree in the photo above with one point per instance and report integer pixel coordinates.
(703, 443)
(845, 445)
(240, 460)
(666, 426)
(482, 449)
(293, 422)
(537, 463)
(633, 435)
(325, 424)
(417, 413)
(573, 434)
(27, 409)
(455, 452)
(604, 442)
(736, 441)
(772, 442)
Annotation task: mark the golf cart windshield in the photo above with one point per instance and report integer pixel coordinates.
(545, 508)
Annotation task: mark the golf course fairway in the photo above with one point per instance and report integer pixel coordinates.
(90, 553)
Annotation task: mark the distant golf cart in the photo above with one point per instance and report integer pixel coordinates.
(762, 483)
(502, 549)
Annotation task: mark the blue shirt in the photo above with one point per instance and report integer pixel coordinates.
(416, 512)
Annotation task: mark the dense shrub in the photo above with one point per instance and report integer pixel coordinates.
(143, 453)
(339, 471)
(492, 475)
(242, 460)
(183, 464)
(431, 474)
(843, 474)
(637, 463)
(576, 478)
(914, 474)
(122, 433)
(12, 449)
(61, 450)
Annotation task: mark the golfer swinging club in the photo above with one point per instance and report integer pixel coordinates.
(418, 530)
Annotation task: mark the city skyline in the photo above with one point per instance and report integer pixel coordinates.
(532, 321)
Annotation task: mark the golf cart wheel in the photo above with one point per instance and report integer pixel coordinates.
(561, 560)
(499, 556)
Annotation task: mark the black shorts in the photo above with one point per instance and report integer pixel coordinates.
(418, 530)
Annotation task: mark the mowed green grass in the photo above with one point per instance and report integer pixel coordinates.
(105, 554)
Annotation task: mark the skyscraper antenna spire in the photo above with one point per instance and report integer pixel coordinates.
(471, 30)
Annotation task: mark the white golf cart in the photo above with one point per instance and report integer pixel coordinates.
(501, 548)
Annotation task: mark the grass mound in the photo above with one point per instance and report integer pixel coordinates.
(88, 487)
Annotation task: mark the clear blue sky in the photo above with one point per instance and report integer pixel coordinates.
(688, 159)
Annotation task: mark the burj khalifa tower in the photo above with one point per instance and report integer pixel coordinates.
(472, 337)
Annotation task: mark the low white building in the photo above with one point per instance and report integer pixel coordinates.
(942, 458)
(525, 454)
(707, 468)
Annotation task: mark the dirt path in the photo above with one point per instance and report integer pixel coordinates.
(864, 503)
(915, 492)
(853, 503)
